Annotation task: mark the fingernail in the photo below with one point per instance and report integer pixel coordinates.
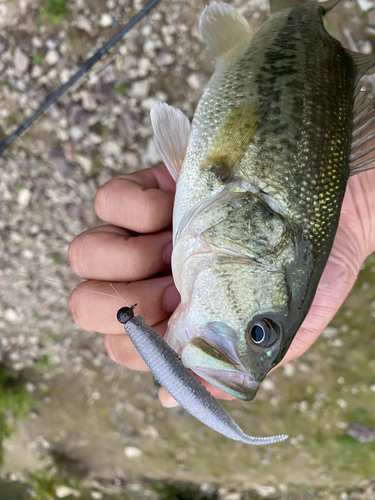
(167, 254)
(171, 298)
(170, 403)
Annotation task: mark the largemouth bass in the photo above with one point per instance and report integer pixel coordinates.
(261, 177)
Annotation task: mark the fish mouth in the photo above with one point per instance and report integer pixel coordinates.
(223, 371)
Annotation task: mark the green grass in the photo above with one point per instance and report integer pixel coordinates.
(38, 58)
(15, 403)
(54, 11)
(43, 483)
(43, 362)
(121, 89)
(11, 120)
(105, 130)
(57, 258)
(96, 165)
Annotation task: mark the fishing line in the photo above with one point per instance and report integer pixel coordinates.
(88, 64)
(81, 289)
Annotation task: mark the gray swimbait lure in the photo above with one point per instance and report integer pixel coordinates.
(180, 382)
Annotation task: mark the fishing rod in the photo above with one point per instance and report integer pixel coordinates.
(88, 64)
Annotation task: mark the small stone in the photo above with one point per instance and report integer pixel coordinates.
(88, 100)
(51, 44)
(84, 24)
(85, 163)
(361, 433)
(36, 71)
(342, 404)
(372, 388)
(65, 491)
(289, 370)
(164, 58)
(76, 133)
(233, 496)
(106, 20)
(148, 103)
(342, 425)
(149, 47)
(111, 148)
(36, 42)
(132, 452)
(24, 197)
(303, 367)
(366, 47)
(365, 5)
(64, 75)
(132, 162)
(264, 491)
(268, 385)
(96, 495)
(337, 343)
(140, 89)
(303, 405)
(329, 332)
(108, 74)
(21, 61)
(152, 154)
(11, 315)
(52, 57)
(194, 81)
(161, 96)
(93, 138)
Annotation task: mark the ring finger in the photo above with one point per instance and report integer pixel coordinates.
(94, 304)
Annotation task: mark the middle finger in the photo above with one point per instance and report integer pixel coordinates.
(110, 253)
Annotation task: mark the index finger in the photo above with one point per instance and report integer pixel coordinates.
(141, 202)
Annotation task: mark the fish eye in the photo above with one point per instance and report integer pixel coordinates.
(263, 332)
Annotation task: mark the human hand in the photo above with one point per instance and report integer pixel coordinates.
(129, 253)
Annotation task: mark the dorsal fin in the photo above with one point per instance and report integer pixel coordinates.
(223, 29)
(363, 148)
(172, 131)
(328, 5)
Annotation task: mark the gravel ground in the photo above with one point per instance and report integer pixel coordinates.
(103, 418)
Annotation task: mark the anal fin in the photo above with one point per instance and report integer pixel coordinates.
(171, 135)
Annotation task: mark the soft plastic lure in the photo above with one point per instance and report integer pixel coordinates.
(181, 384)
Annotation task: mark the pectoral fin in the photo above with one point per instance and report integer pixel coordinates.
(223, 29)
(172, 131)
